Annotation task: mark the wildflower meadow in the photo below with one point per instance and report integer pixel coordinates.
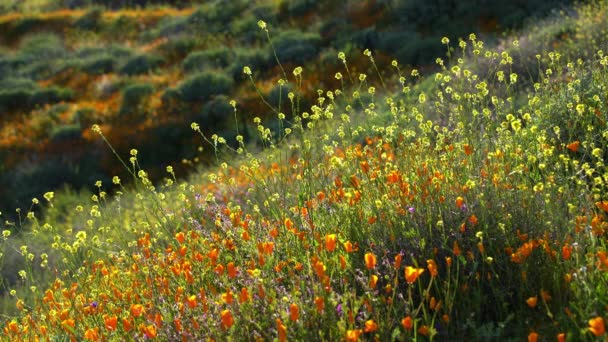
(467, 201)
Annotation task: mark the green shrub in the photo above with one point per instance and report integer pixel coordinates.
(215, 16)
(215, 113)
(246, 29)
(208, 59)
(99, 65)
(24, 25)
(42, 46)
(91, 20)
(13, 99)
(66, 133)
(141, 64)
(42, 96)
(297, 8)
(170, 97)
(84, 117)
(133, 96)
(178, 47)
(278, 97)
(15, 93)
(17, 83)
(296, 47)
(40, 70)
(53, 172)
(202, 86)
(169, 26)
(418, 50)
(24, 94)
(253, 58)
(122, 28)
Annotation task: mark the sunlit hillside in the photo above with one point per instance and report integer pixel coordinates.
(143, 70)
(331, 191)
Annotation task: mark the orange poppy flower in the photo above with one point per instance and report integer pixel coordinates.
(370, 326)
(398, 259)
(349, 247)
(294, 312)
(191, 300)
(432, 267)
(412, 273)
(373, 280)
(573, 146)
(244, 295)
(566, 252)
(468, 149)
(137, 310)
(456, 249)
(330, 242)
(68, 324)
(532, 337)
(320, 304)
(232, 270)
(228, 297)
(459, 202)
(407, 323)
(149, 331)
(110, 322)
(91, 334)
(596, 326)
(126, 325)
(353, 335)
(13, 326)
(180, 237)
(282, 330)
(227, 320)
(370, 260)
(532, 301)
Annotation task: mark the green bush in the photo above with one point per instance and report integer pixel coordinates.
(99, 65)
(24, 94)
(66, 133)
(202, 86)
(208, 59)
(419, 50)
(91, 20)
(15, 93)
(13, 99)
(24, 25)
(43, 96)
(42, 46)
(17, 83)
(296, 47)
(215, 16)
(278, 97)
(84, 117)
(297, 8)
(167, 27)
(133, 96)
(215, 113)
(141, 64)
(116, 51)
(253, 58)
(178, 47)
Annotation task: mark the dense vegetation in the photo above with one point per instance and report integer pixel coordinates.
(144, 72)
(346, 194)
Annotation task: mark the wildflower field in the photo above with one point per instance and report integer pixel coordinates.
(465, 203)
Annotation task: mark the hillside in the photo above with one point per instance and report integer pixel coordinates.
(344, 196)
(143, 72)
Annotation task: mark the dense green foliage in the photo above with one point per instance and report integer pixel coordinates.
(352, 198)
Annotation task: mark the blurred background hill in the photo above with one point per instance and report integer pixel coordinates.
(144, 70)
